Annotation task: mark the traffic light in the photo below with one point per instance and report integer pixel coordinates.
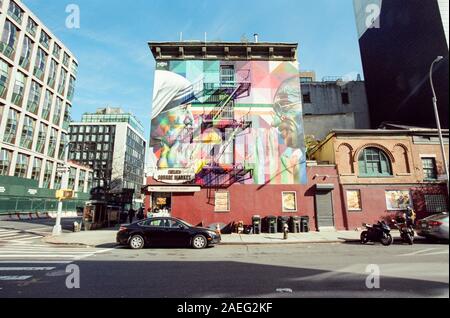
(65, 194)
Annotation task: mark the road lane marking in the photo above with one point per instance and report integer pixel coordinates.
(35, 262)
(25, 269)
(13, 278)
(419, 251)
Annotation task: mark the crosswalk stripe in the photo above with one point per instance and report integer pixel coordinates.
(35, 262)
(28, 238)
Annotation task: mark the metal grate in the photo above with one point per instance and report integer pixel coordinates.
(436, 203)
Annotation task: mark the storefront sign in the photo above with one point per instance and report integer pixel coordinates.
(173, 189)
(174, 176)
(222, 202)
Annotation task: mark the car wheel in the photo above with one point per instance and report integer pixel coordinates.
(137, 242)
(199, 242)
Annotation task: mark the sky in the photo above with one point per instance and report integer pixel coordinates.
(116, 66)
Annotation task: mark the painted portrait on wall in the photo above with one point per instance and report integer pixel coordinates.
(398, 200)
(190, 94)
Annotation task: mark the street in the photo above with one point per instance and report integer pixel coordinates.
(33, 269)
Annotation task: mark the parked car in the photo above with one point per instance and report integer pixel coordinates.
(166, 231)
(435, 226)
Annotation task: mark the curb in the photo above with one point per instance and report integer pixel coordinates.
(287, 243)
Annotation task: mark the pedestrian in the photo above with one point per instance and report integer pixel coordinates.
(131, 214)
(140, 215)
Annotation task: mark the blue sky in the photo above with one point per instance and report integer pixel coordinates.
(116, 65)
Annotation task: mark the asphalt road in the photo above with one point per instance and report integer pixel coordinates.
(262, 271)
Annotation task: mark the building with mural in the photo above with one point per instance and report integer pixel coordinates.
(37, 85)
(226, 131)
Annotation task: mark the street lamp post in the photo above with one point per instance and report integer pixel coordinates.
(57, 229)
(438, 122)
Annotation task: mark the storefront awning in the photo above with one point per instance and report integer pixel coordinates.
(173, 189)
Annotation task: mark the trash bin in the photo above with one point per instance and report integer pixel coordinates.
(282, 220)
(256, 224)
(272, 224)
(304, 224)
(295, 224)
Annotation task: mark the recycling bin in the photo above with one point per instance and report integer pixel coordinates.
(304, 224)
(256, 224)
(272, 224)
(294, 224)
(282, 221)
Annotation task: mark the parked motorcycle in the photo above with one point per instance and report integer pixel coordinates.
(380, 232)
(406, 232)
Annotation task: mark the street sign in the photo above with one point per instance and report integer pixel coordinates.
(65, 194)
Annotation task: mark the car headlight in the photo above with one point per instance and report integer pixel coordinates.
(213, 234)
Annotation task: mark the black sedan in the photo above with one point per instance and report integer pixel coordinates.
(166, 231)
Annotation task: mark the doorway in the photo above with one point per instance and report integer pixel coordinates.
(324, 209)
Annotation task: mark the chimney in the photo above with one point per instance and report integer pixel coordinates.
(256, 37)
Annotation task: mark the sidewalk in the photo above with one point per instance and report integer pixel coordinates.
(107, 238)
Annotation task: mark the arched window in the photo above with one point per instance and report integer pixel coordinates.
(373, 162)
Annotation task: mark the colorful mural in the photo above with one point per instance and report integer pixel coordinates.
(201, 115)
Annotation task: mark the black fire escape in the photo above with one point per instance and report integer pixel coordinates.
(233, 86)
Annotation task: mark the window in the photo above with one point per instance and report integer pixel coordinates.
(47, 107)
(74, 68)
(5, 160)
(72, 176)
(45, 40)
(307, 98)
(41, 60)
(48, 174)
(62, 146)
(345, 98)
(52, 143)
(373, 162)
(62, 82)
(31, 27)
(11, 127)
(67, 117)
(429, 168)
(222, 202)
(71, 90)
(57, 51)
(34, 97)
(41, 138)
(52, 74)
(25, 56)
(37, 168)
(9, 37)
(227, 75)
(21, 166)
(4, 75)
(66, 59)
(81, 179)
(19, 88)
(27, 132)
(354, 200)
(58, 111)
(15, 12)
(436, 203)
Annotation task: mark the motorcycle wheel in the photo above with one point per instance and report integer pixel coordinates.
(364, 237)
(409, 239)
(387, 240)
